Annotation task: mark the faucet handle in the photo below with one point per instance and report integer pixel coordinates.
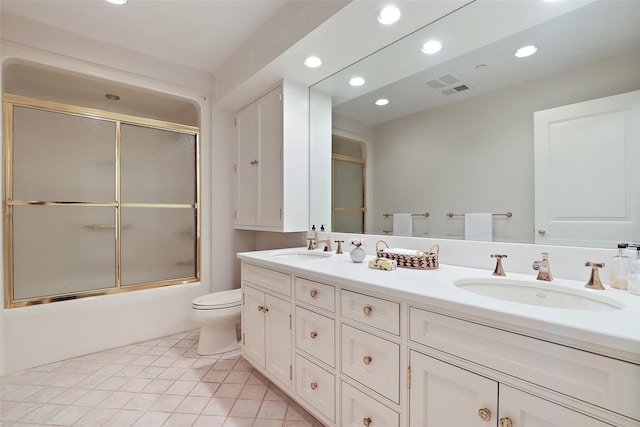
(498, 271)
(339, 242)
(594, 280)
(311, 242)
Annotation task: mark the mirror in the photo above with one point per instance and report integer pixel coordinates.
(457, 135)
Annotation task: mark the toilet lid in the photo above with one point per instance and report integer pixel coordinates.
(221, 299)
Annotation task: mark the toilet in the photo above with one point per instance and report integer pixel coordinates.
(218, 315)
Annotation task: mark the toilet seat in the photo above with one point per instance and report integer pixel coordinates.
(218, 300)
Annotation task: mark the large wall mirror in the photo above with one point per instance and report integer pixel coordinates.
(457, 134)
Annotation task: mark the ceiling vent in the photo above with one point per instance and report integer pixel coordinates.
(451, 82)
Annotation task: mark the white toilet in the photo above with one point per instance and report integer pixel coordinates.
(218, 315)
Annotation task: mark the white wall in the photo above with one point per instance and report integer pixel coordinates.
(476, 155)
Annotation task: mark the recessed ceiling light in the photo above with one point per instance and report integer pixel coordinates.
(388, 15)
(525, 51)
(356, 81)
(431, 47)
(313, 62)
(112, 96)
(117, 1)
(382, 101)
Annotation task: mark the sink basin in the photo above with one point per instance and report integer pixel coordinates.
(301, 254)
(543, 295)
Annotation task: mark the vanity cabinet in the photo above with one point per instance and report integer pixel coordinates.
(444, 395)
(272, 161)
(362, 357)
(266, 323)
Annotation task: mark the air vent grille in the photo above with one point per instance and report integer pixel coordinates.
(451, 82)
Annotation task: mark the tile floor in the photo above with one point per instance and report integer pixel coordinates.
(162, 382)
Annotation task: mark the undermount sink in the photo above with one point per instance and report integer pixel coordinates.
(539, 294)
(301, 254)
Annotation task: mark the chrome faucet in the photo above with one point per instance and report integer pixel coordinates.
(543, 269)
(313, 244)
(498, 271)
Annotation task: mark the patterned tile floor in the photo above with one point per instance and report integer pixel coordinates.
(162, 382)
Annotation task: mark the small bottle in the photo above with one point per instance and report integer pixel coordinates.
(634, 274)
(620, 268)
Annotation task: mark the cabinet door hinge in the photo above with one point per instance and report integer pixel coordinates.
(235, 168)
(409, 377)
(290, 322)
(235, 214)
(244, 340)
(280, 95)
(235, 122)
(290, 372)
(280, 213)
(243, 298)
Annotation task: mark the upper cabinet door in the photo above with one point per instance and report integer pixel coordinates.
(245, 168)
(586, 189)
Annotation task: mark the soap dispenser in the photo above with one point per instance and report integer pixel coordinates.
(620, 268)
(634, 274)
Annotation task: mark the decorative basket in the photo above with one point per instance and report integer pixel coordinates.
(425, 261)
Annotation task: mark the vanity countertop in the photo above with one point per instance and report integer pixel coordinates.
(614, 333)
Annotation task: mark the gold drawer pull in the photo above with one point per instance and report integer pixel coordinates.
(366, 421)
(367, 310)
(313, 293)
(506, 422)
(313, 334)
(313, 386)
(367, 360)
(485, 414)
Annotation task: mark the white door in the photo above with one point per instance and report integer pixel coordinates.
(444, 395)
(587, 172)
(270, 133)
(278, 339)
(253, 325)
(525, 410)
(245, 168)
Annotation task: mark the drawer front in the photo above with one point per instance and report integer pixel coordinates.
(270, 279)
(360, 410)
(373, 361)
(317, 294)
(315, 334)
(316, 386)
(600, 380)
(371, 311)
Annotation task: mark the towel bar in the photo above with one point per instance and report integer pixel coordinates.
(508, 214)
(426, 214)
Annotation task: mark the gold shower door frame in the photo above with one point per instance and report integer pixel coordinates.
(9, 102)
(349, 159)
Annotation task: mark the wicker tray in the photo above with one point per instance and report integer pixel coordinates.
(426, 261)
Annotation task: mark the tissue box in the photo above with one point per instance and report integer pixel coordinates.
(382, 264)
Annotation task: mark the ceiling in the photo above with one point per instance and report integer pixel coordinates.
(200, 34)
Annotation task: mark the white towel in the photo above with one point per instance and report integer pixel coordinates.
(399, 251)
(478, 226)
(402, 225)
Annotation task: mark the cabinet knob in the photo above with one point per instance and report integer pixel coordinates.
(367, 310)
(367, 360)
(313, 293)
(542, 231)
(313, 386)
(313, 334)
(485, 414)
(261, 308)
(265, 309)
(506, 422)
(366, 421)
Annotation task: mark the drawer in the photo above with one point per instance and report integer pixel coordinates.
(371, 311)
(359, 410)
(315, 334)
(602, 381)
(316, 386)
(372, 361)
(270, 279)
(316, 294)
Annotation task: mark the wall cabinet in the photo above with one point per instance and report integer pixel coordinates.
(272, 161)
(366, 359)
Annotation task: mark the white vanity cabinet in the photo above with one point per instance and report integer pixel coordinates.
(272, 161)
(266, 322)
(444, 395)
(363, 357)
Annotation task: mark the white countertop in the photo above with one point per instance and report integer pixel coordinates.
(614, 333)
